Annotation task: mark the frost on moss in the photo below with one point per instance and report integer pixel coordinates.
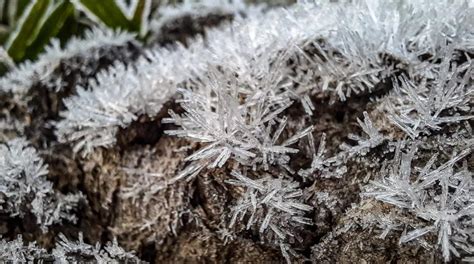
(167, 22)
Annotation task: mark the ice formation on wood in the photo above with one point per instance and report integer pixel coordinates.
(25, 188)
(249, 97)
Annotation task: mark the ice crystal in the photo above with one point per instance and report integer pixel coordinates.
(118, 97)
(195, 9)
(320, 162)
(235, 88)
(339, 72)
(346, 62)
(20, 79)
(160, 72)
(25, 188)
(273, 206)
(154, 183)
(374, 40)
(16, 251)
(237, 119)
(421, 107)
(67, 251)
(363, 145)
(448, 209)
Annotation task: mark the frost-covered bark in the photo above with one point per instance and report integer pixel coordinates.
(447, 210)
(25, 189)
(66, 251)
(285, 132)
(275, 207)
(78, 57)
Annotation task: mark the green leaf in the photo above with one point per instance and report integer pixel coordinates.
(50, 28)
(27, 29)
(108, 12)
(11, 10)
(71, 28)
(3, 34)
(6, 63)
(21, 6)
(137, 23)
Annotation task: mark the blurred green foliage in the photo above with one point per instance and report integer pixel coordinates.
(112, 15)
(27, 26)
(41, 21)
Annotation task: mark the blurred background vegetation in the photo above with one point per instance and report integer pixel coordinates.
(27, 26)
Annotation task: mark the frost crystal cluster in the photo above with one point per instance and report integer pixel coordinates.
(274, 207)
(439, 193)
(66, 251)
(237, 119)
(79, 54)
(25, 189)
(445, 97)
(17, 252)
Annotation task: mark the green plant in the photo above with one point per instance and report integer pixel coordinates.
(40, 21)
(113, 15)
(29, 25)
